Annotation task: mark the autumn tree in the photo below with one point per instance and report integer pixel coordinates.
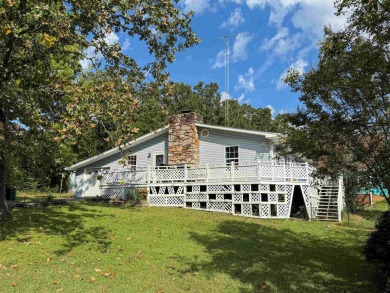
(42, 43)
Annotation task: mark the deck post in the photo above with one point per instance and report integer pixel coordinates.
(148, 174)
(284, 171)
(185, 172)
(258, 170)
(307, 170)
(232, 170)
(207, 172)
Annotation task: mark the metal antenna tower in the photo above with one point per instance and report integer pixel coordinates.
(227, 63)
(227, 59)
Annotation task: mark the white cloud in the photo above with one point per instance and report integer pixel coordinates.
(235, 19)
(111, 38)
(91, 56)
(272, 109)
(299, 65)
(126, 45)
(241, 99)
(246, 81)
(198, 6)
(225, 96)
(308, 17)
(239, 51)
(281, 34)
(220, 60)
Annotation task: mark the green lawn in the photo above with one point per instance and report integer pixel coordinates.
(89, 247)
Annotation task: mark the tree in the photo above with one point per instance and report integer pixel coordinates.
(42, 42)
(345, 122)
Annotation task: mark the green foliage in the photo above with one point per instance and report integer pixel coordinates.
(344, 125)
(377, 250)
(41, 45)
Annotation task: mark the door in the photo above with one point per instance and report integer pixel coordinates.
(91, 183)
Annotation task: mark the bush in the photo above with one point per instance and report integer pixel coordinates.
(377, 250)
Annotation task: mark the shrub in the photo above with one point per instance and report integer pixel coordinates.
(377, 250)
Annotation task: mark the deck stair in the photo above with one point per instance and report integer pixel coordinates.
(328, 205)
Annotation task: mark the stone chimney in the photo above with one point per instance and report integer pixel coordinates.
(183, 139)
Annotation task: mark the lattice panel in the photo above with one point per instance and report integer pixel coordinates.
(283, 210)
(246, 209)
(237, 197)
(289, 190)
(111, 192)
(220, 206)
(166, 200)
(219, 197)
(152, 190)
(306, 195)
(266, 171)
(157, 200)
(180, 190)
(192, 197)
(203, 197)
(273, 197)
(171, 190)
(162, 190)
(264, 187)
(245, 187)
(219, 188)
(255, 197)
(196, 174)
(280, 187)
(245, 171)
(265, 210)
(224, 172)
(175, 200)
(296, 172)
(196, 205)
(196, 188)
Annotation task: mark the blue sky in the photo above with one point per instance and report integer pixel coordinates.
(266, 38)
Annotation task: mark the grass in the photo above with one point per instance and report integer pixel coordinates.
(26, 196)
(91, 247)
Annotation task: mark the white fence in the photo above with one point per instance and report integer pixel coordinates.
(261, 170)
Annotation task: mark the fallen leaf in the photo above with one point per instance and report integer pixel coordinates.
(159, 291)
(97, 270)
(14, 266)
(56, 282)
(139, 253)
(92, 279)
(13, 284)
(60, 289)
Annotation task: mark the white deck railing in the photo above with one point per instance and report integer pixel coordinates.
(261, 170)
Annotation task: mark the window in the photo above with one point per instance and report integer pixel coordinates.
(132, 162)
(231, 154)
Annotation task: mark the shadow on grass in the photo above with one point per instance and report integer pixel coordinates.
(370, 215)
(68, 222)
(265, 259)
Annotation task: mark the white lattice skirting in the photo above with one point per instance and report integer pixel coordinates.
(249, 200)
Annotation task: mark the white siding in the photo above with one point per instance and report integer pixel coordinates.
(158, 144)
(212, 148)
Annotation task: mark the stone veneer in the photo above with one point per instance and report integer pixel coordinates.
(183, 139)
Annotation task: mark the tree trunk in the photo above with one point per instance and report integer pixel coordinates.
(5, 214)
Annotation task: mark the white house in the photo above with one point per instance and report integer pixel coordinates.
(194, 165)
